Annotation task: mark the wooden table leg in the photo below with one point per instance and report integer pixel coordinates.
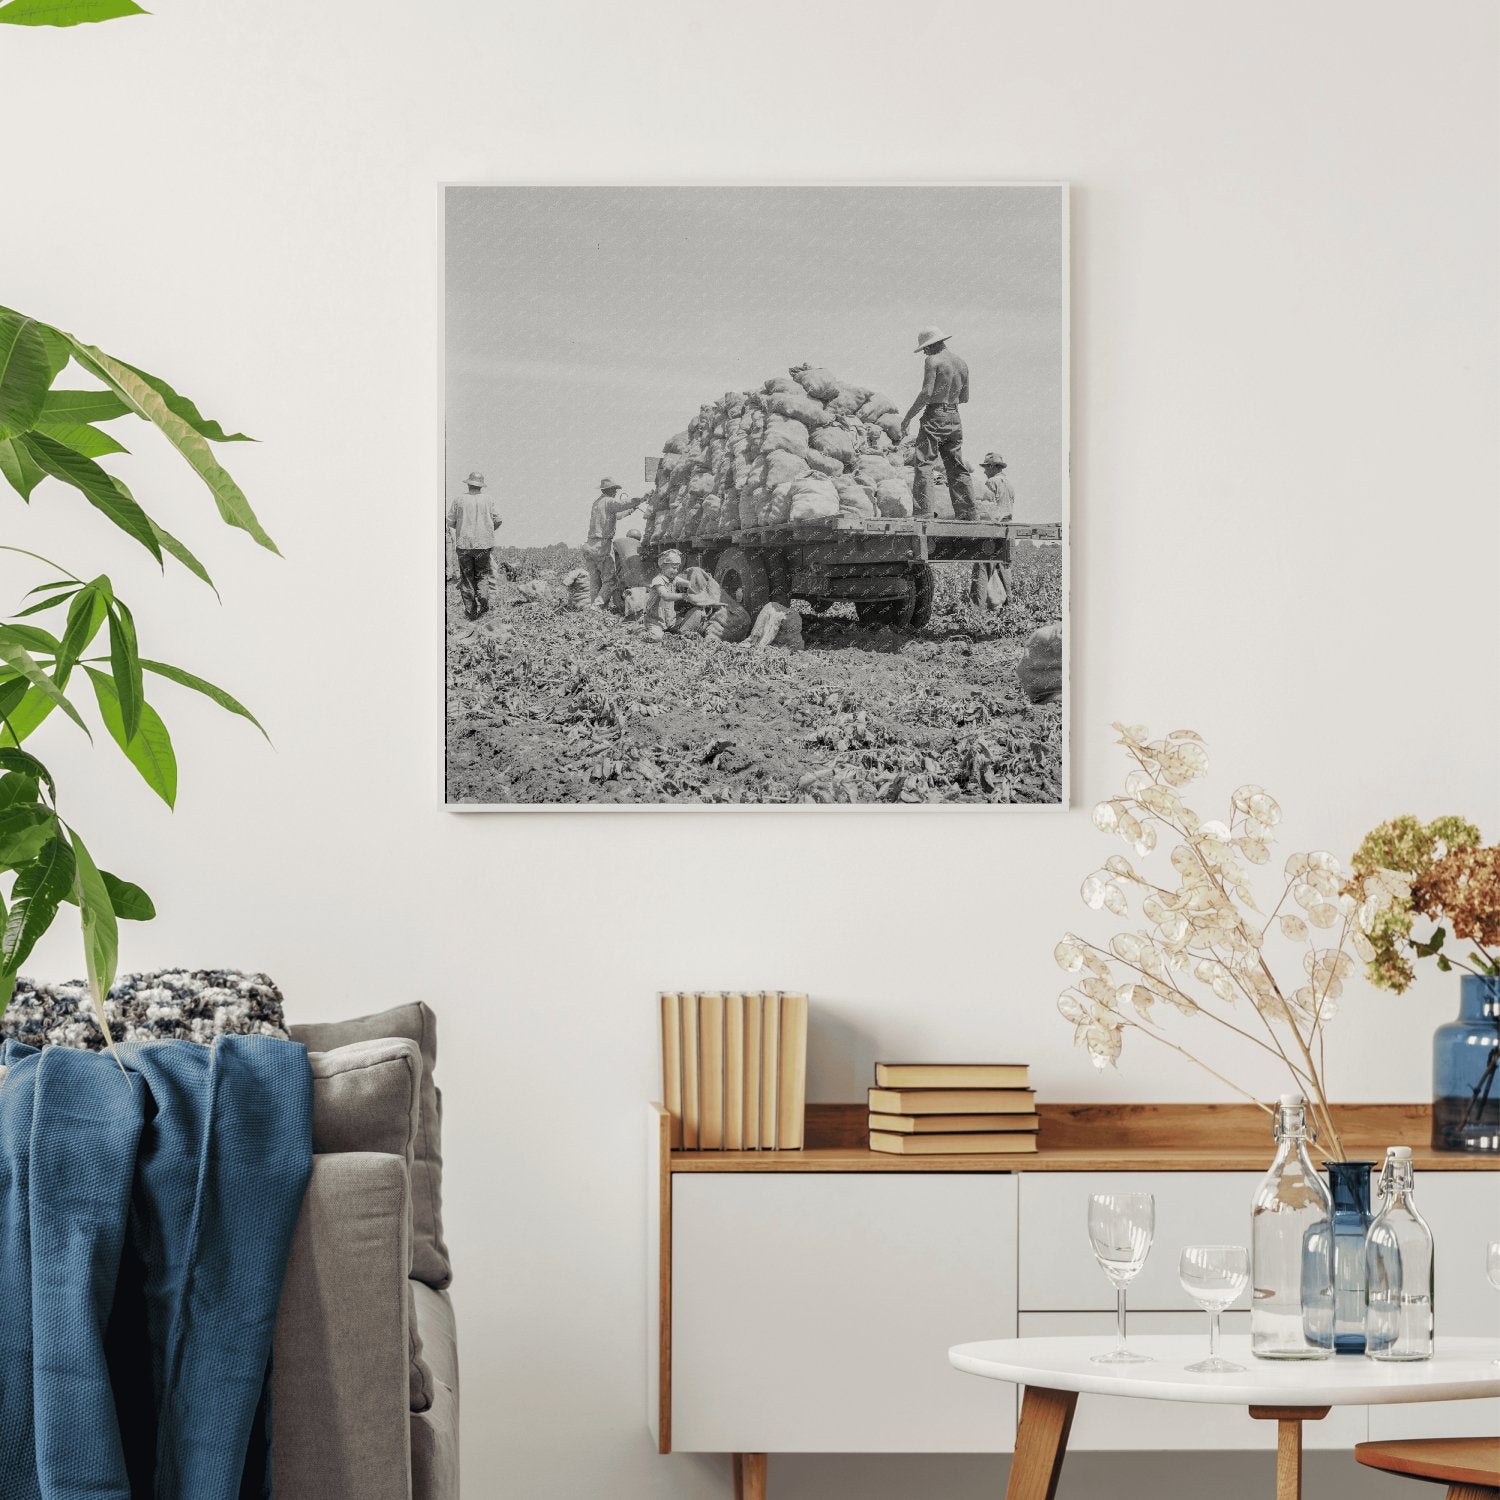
(1471, 1492)
(749, 1476)
(1041, 1443)
(1289, 1420)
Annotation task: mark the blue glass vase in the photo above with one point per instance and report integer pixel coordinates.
(1349, 1183)
(1466, 1071)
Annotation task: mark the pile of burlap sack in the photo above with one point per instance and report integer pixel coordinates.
(805, 447)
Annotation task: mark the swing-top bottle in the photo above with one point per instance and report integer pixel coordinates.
(1398, 1269)
(1291, 1249)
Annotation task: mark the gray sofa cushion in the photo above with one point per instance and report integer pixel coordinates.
(434, 1432)
(429, 1255)
(341, 1425)
(367, 1097)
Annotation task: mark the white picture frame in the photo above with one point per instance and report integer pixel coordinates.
(585, 208)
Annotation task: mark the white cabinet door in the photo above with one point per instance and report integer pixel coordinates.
(1463, 1209)
(1058, 1269)
(814, 1312)
(1118, 1423)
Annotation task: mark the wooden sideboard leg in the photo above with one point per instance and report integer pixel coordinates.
(1289, 1420)
(749, 1476)
(1041, 1443)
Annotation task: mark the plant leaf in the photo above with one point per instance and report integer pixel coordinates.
(169, 543)
(130, 902)
(101, 933)
(21, 659)
(201, 685)
(34, 900)
(203, 426)
(21, 470)
(17, 789)
(66, 12)
(34, 638)
(80, 437)
(149, 750)
(83, 406)
(24, 371)
(125, 664)
(11, 694)
(101, 489)
(85, 615)
(28, 765)
(41, 606)
(23, 833)
(146, 399)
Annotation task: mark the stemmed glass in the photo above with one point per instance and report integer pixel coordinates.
(1213, 1276)
(1492, 1268)
(1121, 1226)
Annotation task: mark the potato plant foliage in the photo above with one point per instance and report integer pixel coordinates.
(547, 704)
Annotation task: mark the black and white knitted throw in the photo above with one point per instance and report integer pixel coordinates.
(194, 1005)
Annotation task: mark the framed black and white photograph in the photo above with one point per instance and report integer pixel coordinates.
(755, 496)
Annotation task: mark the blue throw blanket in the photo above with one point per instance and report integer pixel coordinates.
(145, 1221)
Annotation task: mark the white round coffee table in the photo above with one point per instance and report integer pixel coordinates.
(1055, 1371)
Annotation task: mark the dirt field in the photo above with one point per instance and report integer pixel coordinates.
(550, 705)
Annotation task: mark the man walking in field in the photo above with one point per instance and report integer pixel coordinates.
(940, 434)
(599, 548)
(989, 588)
(473, 521)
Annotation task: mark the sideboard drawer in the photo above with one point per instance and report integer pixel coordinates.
(1058, 1269)
(814, 1312)
(1124, 1424)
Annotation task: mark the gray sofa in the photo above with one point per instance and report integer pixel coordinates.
(365, 1369)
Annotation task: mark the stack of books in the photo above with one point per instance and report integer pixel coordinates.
(945, 1109)
(734, 1070)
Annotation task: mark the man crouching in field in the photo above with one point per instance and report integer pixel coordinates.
(662, 616)
(691, 604)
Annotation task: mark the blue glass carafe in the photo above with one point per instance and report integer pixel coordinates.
(1349, 1183)
(1466, 1071)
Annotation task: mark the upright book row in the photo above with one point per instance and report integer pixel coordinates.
(734, 1070)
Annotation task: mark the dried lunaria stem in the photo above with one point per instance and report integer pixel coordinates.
(1208, 951)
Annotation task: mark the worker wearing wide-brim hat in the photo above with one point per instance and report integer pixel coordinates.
(940, 434)
(989, 587)
(599, 558)
(473, 521)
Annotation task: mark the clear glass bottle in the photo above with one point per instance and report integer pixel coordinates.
(1291, 1249)
(1398, 1270)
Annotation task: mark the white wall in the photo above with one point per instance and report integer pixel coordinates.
(1285, 511)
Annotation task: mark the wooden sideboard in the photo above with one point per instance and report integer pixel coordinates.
(759, 1260)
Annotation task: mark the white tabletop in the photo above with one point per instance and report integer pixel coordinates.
(1461, 1369)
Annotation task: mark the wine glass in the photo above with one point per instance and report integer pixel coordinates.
(1213, 1276)
(1492, 1268)
(1120, 1229)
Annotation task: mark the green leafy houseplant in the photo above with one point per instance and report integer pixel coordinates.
(52, 430)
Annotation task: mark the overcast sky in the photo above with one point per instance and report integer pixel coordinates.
(586, 325)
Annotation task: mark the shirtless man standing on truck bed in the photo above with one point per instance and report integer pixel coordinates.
(945, 387)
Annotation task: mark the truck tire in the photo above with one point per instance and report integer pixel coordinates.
(743, 575)
(926, 587)
(885, 614)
